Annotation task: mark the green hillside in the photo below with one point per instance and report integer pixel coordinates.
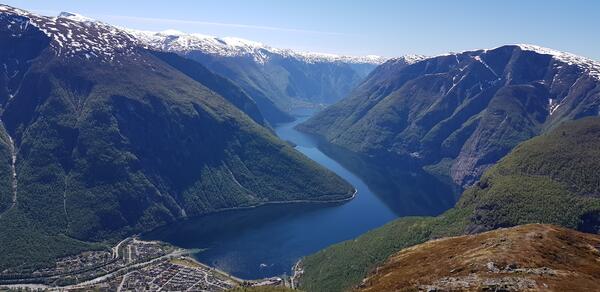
(462, 111)
(106, 148)
(214, 82)
(548, 179)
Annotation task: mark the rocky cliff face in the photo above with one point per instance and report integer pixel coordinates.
(464, 111)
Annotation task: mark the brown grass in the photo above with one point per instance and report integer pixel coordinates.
(571, 259)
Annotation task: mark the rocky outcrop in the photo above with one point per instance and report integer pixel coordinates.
(524, 258)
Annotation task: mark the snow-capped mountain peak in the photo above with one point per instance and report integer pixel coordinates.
(176, 41)
(171, 32)
(408, 59)
(73, 34)
(239, 42)
(75, 17)
(70, 34)
(587, 65)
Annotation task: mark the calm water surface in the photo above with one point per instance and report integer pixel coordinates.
(268, 240)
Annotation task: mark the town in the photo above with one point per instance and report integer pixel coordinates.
(131, 265)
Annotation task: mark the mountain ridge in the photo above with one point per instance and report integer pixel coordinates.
(172, 40)
(107, 142)
(466, 110)
(279, 80)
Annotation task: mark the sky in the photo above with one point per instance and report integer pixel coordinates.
(353, 27)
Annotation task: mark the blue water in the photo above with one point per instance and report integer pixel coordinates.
(268, 240)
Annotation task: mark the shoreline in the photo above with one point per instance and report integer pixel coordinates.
(217, 270)
(354, 193)
(177, 254)
(191, 257)
(186, 253)
(258, 205)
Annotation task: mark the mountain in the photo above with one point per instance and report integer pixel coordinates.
(548, 179)
(216, 83)
(525, 258)
(279, 80)
(194, 70)
(460, 113)
(102, 138)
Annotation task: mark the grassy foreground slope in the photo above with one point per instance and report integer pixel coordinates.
(529, 257)
(548, 179)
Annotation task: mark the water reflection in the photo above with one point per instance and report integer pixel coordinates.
(268, 240)
(407, 190)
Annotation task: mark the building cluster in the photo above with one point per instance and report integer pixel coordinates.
(136, 251)
(90, 264)
(179, 274)
(83, 261)
(132, 265)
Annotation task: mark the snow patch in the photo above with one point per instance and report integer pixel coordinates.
(74, 35)
(75, 17)
(480, 60)
(552, 105)
(586, 65)
(176, 41)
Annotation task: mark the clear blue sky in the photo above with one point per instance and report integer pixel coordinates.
(387, 28)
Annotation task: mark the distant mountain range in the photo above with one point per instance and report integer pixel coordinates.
(173, 40)
(460, 113)
(107, 131)
(279, 80)
(548, 179)
(101, 137)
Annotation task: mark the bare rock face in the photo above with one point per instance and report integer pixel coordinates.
(470, 108)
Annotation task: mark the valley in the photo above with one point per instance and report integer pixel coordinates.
(541, 181)
(139, 158)
(267, 241)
